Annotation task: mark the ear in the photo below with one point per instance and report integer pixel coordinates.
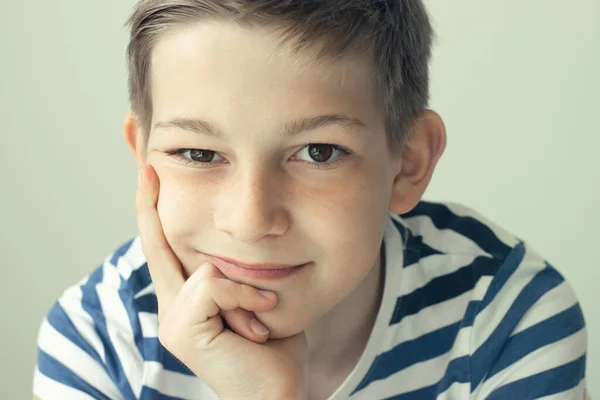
(420, 155)
(133, 137)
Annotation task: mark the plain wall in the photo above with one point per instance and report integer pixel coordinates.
(517, 82)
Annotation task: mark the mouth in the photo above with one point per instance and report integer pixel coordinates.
(234, 269)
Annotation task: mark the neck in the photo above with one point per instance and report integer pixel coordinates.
(341, 335)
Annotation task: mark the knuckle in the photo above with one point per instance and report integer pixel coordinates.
(205, 285)
(248, 291)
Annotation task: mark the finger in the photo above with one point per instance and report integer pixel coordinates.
(165, 269)
(244, 323)
(208, 296)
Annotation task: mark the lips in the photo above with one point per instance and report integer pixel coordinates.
(234, 269)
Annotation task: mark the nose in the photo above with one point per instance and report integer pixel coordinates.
(250, 207)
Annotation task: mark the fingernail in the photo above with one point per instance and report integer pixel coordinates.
(267, 294)
(257, 327)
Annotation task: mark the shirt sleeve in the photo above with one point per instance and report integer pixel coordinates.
(529, 338)
(86, 347)
(71, 358)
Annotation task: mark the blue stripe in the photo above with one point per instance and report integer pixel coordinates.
(139, 279)
(444, 288)
(60, 320)
(149, 393)
(427, 250)
(91, 304)
(56, 371)
(509, 266)
(428, 392)
(412, 245)
(457, 372)
(120, 252)
(553, 381)
(155, 351)
(489, 351)
(471, 312)
(406, 354)
(147, 303)
(550, 331)
(477, 231)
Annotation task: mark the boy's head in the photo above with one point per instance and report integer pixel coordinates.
(306, 121)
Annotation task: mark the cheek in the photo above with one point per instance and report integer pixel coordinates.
(180, 208)
(351, 230)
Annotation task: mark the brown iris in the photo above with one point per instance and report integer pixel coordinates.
(320, 152)
(202, 155)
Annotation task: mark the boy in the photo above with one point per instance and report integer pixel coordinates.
(284, 250)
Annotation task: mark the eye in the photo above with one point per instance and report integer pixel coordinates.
(321, 153)
(201, 156)
(197, 156)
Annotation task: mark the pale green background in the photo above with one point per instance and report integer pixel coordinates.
(517, 81)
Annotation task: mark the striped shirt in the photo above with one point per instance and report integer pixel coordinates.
(469, 311)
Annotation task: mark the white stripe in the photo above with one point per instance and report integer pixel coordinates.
(119, 328)
(576, 393)
(71, 302)
(76, 360)
(462, 211)
(489, 319)
(439, 316)
(553, 302)
(543, 359)
(462, 343)
(149, 324)
(456, 391)
(45, 388)
(415, 377)
(175, 384)
(123, 268)
(135, 256)
(444, 240)
(83, 281)
(132, 260)
(482, 286)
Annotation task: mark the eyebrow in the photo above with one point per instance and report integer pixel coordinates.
(291, 128)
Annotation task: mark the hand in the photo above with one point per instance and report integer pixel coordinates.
(239, 363)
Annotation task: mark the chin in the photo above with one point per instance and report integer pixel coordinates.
(280, 326)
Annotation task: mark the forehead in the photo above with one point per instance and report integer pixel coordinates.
(234, 74)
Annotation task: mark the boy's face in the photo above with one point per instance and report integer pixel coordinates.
(262, 195)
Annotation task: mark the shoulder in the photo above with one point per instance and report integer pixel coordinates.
(91, 339)
(523, 320)
(115, 284)
(461, 239)
(113, 294)
(123, 271)
(458, 229)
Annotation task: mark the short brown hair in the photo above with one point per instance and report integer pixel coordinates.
(395, 34)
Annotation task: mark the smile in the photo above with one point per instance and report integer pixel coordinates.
(233, 269)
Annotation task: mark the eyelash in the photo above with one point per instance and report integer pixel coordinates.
(178, 153)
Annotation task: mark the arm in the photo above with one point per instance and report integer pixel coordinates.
(529, 339)
(72, 356)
